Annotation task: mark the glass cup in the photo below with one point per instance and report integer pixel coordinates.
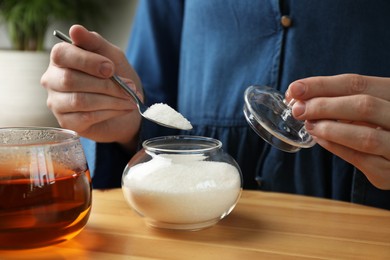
(45, 187)
(182, 182)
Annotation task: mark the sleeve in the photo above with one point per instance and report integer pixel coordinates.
(153, 51)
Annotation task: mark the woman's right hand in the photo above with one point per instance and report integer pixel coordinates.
(348, 115)
(81, 95)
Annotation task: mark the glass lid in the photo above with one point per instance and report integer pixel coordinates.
(271, 118)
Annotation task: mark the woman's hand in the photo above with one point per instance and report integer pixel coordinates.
(81, 95)
(349, 115)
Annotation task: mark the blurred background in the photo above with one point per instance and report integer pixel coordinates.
(22, 99)
(115, 25)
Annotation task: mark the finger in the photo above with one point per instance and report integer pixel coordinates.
(67, 102)
(357, 137)
(92, 41)
(363, 108)
(67, 80)
(375, 168)
(81, 121)
(339, 85)
(66, 55)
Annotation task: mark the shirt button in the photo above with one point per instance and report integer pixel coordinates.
(286, 21)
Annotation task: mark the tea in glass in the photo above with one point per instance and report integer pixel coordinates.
(45, 187)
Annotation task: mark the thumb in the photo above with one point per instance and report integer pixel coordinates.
(94, 42)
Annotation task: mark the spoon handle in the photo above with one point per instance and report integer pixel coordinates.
(62, 36)
(126, 88)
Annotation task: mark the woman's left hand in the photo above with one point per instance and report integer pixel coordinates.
(349, 115)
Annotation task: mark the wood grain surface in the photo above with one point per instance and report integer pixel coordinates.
(263, 225)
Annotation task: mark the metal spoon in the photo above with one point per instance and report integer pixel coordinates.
(141, 106)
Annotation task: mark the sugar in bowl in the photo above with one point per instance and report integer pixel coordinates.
(45, 187)
(182, 182)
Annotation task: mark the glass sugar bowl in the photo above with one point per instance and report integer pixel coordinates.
(182, 182)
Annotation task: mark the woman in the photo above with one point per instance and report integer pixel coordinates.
(200, 56)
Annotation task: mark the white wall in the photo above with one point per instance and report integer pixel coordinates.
(116, 29)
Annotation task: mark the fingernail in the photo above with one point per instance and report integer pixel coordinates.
(287, 94)
(310, 124)
(297, 89)
(298, 108)
(131, 85)
(106, 69)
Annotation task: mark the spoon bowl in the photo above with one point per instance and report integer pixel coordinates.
(142, 108)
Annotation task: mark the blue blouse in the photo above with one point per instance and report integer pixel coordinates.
(200, 56)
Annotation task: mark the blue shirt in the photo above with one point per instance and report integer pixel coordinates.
(200, 56)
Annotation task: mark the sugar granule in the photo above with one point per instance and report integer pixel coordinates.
(182, 193)
(164, 114)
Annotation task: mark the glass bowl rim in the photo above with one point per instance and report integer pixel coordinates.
(210, 144)
(69, 136)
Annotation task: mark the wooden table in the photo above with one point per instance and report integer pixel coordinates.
(262, 226)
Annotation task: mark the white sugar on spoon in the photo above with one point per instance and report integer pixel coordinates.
(166, 115)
